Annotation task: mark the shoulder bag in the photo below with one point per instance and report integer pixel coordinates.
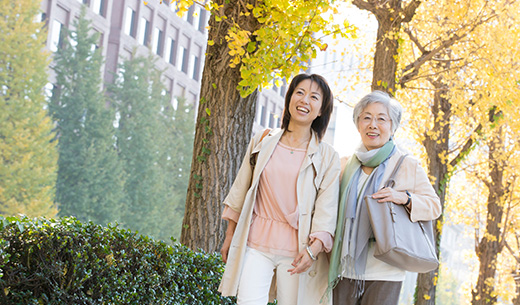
(399, 241)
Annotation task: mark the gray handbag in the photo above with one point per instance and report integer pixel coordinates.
(399, 241)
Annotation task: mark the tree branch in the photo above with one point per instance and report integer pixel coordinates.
(512, 252)
(413, 68)
(365, 5)
(409, 10)
(465, 149)
(415, 40)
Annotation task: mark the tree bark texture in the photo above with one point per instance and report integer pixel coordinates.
(436, 143)
(223, 131)
(390, 15)
(491, 244)
(516, 277)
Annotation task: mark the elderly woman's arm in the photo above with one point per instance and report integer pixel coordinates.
(425, 205)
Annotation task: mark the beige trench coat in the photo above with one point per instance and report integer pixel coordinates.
(411, 177)
(317, 193)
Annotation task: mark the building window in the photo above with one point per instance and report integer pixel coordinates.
(98, 6)
(199, 16)
(181, 91)
(130, 22)
(195, 67)
(169, 54)
(263, 111)
(144, 32)
(196, 16)
(189, 14)
(41, 17)
(158, 41)
(274, 118)
(202, 20)
(56, 36)
(259, 113)
(278, 116)
(182, 60)
(173, 6)
(283, 89)
(192, 98)
(100, 42)
(185, 15)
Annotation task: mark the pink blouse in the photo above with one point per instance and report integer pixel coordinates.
(274, 228)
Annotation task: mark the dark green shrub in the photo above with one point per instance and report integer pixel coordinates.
(64, 261)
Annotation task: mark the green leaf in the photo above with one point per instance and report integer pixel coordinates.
(206, 150)
(251, 47)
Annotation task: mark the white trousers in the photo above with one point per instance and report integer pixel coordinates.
(257, 274)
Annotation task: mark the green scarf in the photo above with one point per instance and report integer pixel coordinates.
(352, 168)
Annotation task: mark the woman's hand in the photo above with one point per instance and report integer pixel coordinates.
(227, 241)
(389, 194)
(303, 261)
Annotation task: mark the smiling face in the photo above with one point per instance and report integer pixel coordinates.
(305, 103)
(374, 126)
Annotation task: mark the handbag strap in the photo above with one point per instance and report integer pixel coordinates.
(391, 181)
(252, 160)
(266, 131)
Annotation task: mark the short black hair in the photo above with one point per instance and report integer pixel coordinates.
(319, 125)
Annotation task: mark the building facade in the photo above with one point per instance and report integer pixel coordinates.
(128, 26)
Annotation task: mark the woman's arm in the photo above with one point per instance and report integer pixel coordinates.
(235, 199)
(423, 203)
(323, 222)
(426, 204)
(227, 241)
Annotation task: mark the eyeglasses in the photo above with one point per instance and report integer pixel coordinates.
(380, 119)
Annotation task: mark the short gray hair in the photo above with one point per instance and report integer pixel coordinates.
(394, 108)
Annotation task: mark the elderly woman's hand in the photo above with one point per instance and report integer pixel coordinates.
(389, 194)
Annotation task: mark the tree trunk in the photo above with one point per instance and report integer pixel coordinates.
(390, 15)
(385, 62)
(436, 144)
(491, 244)
(224, 126)
(516, 277)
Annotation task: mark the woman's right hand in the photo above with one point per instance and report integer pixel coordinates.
(227, 241)
(225, 248)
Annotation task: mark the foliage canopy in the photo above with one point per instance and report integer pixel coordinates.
(28, 155)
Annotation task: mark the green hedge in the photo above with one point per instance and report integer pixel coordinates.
(64, 261)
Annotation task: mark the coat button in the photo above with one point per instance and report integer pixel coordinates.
(312, 273)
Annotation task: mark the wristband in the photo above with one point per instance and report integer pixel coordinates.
(407, 204)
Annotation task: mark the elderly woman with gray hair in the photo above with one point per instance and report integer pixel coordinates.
(356, 276)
